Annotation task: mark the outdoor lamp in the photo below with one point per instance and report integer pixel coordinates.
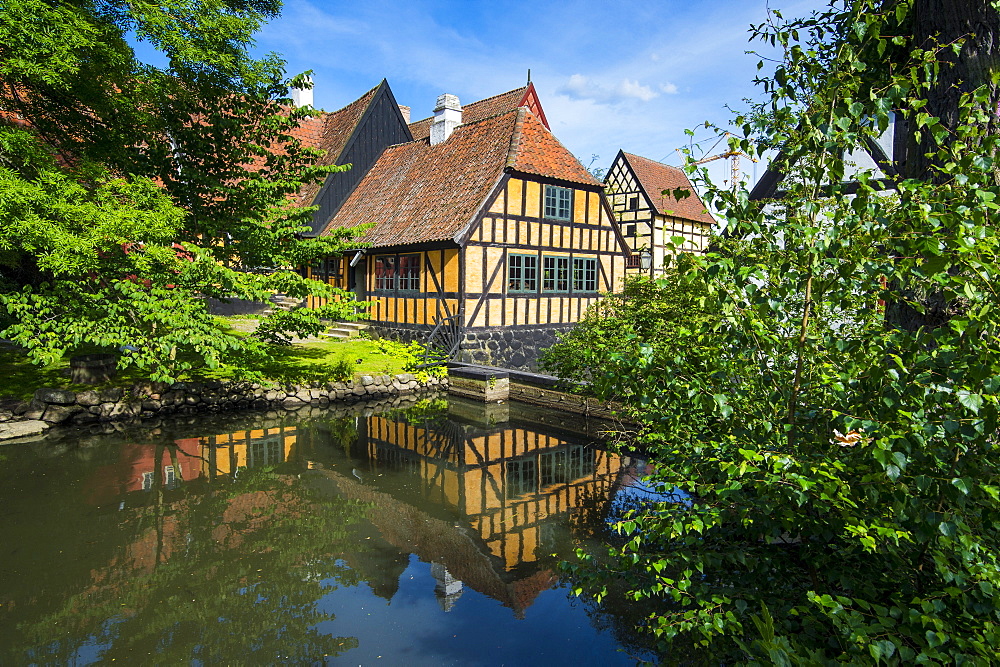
(645, 260)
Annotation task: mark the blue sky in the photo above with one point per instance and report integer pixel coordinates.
(610, 74)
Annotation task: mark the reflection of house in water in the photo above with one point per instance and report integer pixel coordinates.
(486, 505)
(144, 467)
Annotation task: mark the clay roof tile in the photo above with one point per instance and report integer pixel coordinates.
(655, 177)
(476, 111)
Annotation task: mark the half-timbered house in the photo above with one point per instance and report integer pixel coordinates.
(489, 224)
(641, 195)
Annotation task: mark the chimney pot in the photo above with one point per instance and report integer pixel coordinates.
(303, 97)
(447, 116)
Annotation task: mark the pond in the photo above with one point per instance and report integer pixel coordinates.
(421, 534)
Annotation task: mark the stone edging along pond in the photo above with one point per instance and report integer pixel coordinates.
(144, 400)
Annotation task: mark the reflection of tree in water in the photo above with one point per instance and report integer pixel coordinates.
(591, 569)
(343, 432)
(237, 570)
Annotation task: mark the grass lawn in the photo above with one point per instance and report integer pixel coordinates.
(312, 362)
(305, 362)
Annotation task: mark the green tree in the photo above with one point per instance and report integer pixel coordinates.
(129, 193)
(648, 313)
(842, 472)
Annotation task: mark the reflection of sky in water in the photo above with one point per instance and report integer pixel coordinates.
(412, 629)
(642, 491)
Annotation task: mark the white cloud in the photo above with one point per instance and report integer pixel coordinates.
(668, 88)
(582, 88)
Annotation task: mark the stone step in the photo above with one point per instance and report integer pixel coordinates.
(283, 302)
(346, 329)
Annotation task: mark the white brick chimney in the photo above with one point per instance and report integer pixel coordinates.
(405, 110)
(447, 116)
(303, 97)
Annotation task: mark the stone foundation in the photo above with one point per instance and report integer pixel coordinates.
(145, 400)
(515, 348)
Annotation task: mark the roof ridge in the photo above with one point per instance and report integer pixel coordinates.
(464, 106)
(493, 97)
(515, 137)
(641, 157)
(496, 115)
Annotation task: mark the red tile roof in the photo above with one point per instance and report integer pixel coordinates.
(655, 177)
(476, 111)
(539, 152)
(418, 193)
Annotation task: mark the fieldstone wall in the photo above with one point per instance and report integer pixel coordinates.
(516, 349)
(402, 333)
(145, 400)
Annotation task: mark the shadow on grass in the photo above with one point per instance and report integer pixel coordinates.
(19, 378)
(285, 365)
(322, 361)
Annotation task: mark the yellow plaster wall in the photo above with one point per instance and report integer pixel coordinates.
(533, 200)
(581, 200)
(514, 196)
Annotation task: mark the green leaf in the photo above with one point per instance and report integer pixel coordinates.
(970, 400)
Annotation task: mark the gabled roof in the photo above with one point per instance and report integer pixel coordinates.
(525, 96)
(655, 177)
(330, 133)
(887, 153)
(418, 193)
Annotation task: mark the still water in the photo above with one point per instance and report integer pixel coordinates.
(425, 535)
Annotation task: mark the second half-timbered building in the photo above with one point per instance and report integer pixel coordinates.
(491, 225)
(640, 191)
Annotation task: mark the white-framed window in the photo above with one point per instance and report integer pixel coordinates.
(522, 273)
(169, 477)
(558, 202)
(385, 272)
(409, 273)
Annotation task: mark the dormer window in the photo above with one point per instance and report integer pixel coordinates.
(558, 202)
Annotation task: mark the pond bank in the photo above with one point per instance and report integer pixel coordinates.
(21, 421)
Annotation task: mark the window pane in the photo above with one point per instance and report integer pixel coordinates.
(562, 274)
(385, 272)
(514, 272)
(584, 275)
(557, 202)
(555, 274)
(548, 274)
(409, 272)
(522, 273)
(563, 204)
(530, 274)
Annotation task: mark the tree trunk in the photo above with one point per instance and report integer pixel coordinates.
(976, 24)
(938, 24)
